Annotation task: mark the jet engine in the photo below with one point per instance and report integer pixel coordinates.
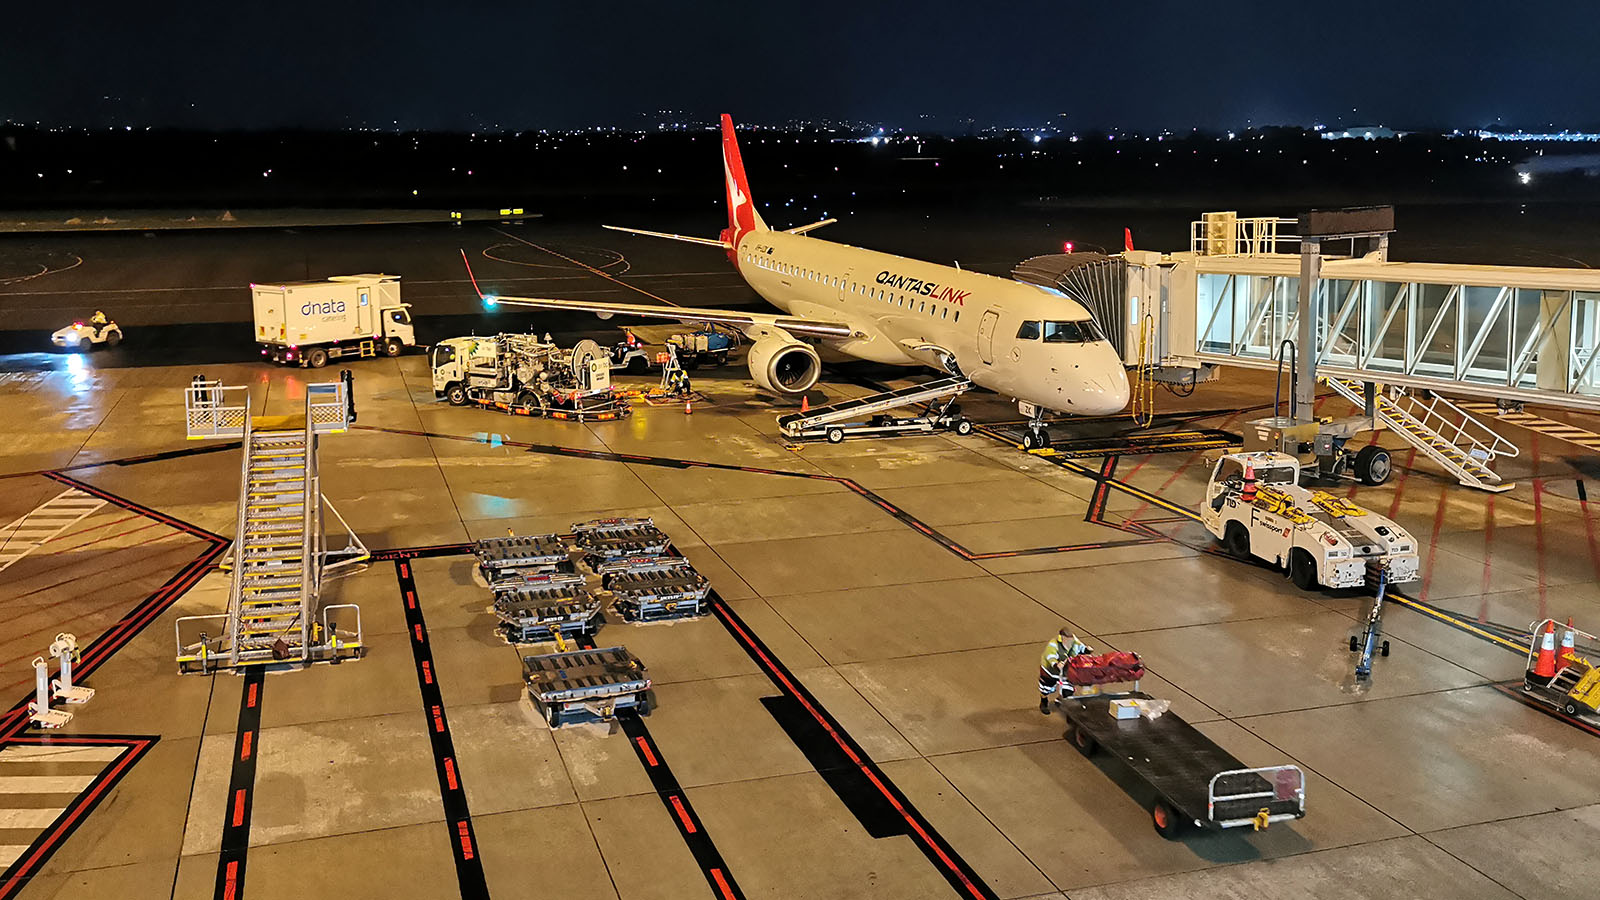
(783, 365)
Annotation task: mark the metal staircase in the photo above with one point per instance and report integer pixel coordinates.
(279, 555)
(1443, 431)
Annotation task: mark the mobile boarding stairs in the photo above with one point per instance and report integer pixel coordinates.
(279, 556)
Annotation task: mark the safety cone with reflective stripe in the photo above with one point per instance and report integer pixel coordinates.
(1248, 494)
(1544, 667)
(1569, 648)
(805, 404)
(688, 406)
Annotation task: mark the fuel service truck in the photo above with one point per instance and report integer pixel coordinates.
(310, 322)
(1256, 506)
(522, 375)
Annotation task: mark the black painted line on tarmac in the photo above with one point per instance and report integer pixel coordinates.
(241, 788)
(463, 841)
(131, 506)
(1513, 689)
(132, 460)
(429, 552)
(933, 845)
(76, 813)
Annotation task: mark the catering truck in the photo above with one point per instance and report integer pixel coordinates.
(310, 322)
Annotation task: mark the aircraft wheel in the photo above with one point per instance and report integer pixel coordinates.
(1373, 465)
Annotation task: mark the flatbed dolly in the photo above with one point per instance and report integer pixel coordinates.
(534, 611)
(1194, 780)
(608, 539)
(651, 589)
(598, 682)
(522, 555)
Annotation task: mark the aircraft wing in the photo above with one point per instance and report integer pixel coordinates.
(753, 324)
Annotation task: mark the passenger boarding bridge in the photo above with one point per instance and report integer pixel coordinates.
(1513, 333)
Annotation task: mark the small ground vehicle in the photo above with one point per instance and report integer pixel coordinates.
(630, 355)
(86, 335)
(1256, 507)
(709, 345)
(310, 322)
(1574, 688)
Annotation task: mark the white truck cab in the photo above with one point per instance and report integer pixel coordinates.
(1255, 506)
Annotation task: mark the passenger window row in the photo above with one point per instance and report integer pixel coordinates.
(937, 311)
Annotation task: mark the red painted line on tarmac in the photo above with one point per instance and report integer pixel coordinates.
(427, 672)
(1588, 532)
(238, 807)
(251, 700)
(405, 570)
(438, 719)
(411, 599)
(417, 630)
(95, 527)
(649, 755)
(244, 745)
(464, 835)
(683, 814)
(450, 773)
(1400, 486)
(101, 540)
(1433, 546)
(230, 889)
(722, 884)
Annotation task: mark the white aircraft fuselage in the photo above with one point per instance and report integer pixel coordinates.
(907, 311)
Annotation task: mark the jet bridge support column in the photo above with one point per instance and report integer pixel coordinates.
(1354, 224)
(1305, 385)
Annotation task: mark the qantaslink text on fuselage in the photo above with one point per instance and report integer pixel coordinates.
(924, 288)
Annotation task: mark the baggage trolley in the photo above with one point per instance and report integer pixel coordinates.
(598, 682)
(608, 539)
(531, 612)
(516, 555)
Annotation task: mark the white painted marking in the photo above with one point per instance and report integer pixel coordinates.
(10, 853)
(44, 784)
(29, 818)
(58, 753)
(50, 519)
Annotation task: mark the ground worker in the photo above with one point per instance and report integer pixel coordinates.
(99, 319)
(1053, 662)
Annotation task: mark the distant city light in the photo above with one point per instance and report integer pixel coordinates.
(1525, 177)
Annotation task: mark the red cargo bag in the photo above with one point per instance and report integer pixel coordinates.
(1104, 668)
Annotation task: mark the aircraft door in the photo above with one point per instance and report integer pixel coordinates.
(843, 284)
(986, 336)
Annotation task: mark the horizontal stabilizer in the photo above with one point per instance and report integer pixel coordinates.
(802, 229)
(709, 242)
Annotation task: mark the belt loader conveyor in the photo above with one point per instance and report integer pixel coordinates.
(655, 588)
(598, 682)
(831, 421)
(521, 554)
(608, 539)
(537, 609)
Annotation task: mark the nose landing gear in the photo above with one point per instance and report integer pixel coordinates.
(1037, 436)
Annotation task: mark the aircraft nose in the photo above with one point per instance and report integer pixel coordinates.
(1107, 393)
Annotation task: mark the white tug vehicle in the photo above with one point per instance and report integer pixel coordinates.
(1256, 506)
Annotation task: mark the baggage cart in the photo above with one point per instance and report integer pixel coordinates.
(598, 682)
(609, 539)
(521, 555)
(533, 611)
(650, 589)
(1195, 782)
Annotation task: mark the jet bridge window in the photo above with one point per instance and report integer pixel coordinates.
(1080, 332)
(1028, 332)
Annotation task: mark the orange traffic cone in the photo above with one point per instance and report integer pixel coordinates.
(805, 403)
(1569, 649)
(1544, 667)
(1248, 494)
(688, 406)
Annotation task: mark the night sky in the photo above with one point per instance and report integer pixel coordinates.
(529, 65)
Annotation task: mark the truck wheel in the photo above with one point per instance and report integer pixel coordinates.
(963, 426)
(316, 357)
(531, 403)
(835, 435)
(1302, 570)
(1373, 465)
(1085, 744)
(638, 365)
(1166, 821)
(113, 337)
(721, 359)
(1236, 540)
(392, 347)
(456, 394)
(554, 716)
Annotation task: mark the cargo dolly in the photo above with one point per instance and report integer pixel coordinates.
(608, 539)
(653, 588)
(545, 606)
(598, 682)
(520, 555)
(833, 422)
(1194, 780)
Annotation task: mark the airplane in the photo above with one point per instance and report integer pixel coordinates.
(1028, 342)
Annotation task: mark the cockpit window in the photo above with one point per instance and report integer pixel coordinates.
(1079, 332)
(1028, 332)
